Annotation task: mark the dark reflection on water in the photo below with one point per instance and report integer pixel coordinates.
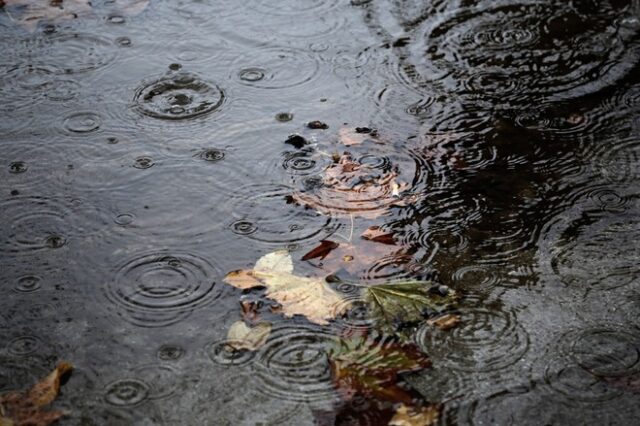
(143, 157)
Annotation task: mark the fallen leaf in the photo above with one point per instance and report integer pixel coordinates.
(351, 188)
(242, 279)
(376, 234)
(445, 322)
(321, 251)
(26, 408)
(360, 256)
(350, 137)
(370, 367)
(243, 337)
(250, 310)
(310, 297)
(405, 302)
(407, 415)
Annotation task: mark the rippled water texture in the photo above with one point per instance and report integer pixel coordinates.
(148, 148)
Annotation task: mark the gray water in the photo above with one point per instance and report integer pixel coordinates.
(143, 158)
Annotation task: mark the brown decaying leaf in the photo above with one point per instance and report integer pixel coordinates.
(349, 137)
(26, 408)
(370, 368)
(359, 257)
(321, 251)
(445, 322)
(350, 188)
(376, 234)
(310, 297)
(416, 416)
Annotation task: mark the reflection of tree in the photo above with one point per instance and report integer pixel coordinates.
(505, 166)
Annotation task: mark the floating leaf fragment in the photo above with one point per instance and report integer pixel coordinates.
(26, 408)
(310, 297)
(376, 234)
(355, 189)
(243, 337)
(406, 302)
(416, 416)
(321, 251)
(445, 322)
(370, 367)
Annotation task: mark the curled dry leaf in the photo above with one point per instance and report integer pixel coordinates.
(243, 337)
(26, 408)
(321, 251)
(310, 297)
(376, 234)
(416, 416)
(350, 188)
(360, 256)
(445, 322)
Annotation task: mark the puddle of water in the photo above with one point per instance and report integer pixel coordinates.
(149, 148)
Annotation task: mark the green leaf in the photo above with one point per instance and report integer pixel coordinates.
(405, 302)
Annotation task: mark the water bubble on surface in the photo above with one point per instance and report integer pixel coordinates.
(127, 392)
(17, 167)
(243, 227)
(178, 96)
(82, 122)
(143, 163)
(212, 154)
(124, 41)
(299, 163)
(28, 284)
(278, 68)
(116, 19)
(222, 353)
(170, 352)
(283, 117)
(55, 241)
(252, 74)
(24, 345)
(124, 219)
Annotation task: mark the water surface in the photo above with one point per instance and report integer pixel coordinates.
(144, 157)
